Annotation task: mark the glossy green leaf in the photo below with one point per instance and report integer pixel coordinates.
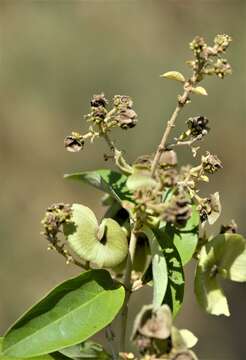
(54, 356)
(159, 268)
(105, 245)
(106, 180)
(186, 239)
(85, 351)
(68, 315)
(208, 291)
(175, 288)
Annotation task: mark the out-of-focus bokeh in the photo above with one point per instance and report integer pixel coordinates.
(53, 56)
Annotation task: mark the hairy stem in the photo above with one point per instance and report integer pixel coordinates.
(170, 124)
(127, 284)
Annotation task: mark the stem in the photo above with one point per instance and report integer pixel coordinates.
(170, 124)
(119, 159)
(127, 284)
(109, 334)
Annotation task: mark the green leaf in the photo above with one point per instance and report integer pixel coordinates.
(42, 357)
(105, 245)
(230, 256)
(174, 75)
(186, 239)
(140, 180)
(175, 288)
(106, 180)
(85, 351)
(224, 255)
(68, 315)
(208, 292)
(159, 268)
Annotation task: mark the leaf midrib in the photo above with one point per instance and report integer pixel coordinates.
(57, 320)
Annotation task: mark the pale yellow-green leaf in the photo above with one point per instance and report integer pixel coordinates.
(199, 90)
(207, 288)
(105, 245)
(140, 180)
(230, 256)
(174, 75)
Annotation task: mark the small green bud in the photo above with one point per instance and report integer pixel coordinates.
(199, 90)
(174, 75)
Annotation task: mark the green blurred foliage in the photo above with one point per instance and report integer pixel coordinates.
(54, 55)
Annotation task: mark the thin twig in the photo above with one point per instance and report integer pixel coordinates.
(127, 284)
(109, 334)
(119, 159)
(170, 124)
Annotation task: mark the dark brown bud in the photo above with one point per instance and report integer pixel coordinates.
(74, 142)
(126, 118)
(211, 163)
(99, 100)
(198, 125)
(178, 210)
(123, 101)
(231, 228)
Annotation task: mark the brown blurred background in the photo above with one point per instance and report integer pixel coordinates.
(54, 55)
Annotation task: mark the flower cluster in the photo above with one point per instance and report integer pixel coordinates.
(103, 120)
(208, 59)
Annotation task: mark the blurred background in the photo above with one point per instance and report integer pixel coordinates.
(54, 56)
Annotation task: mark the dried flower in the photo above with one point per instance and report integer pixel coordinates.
(122, 101)
(126, 118)
(55, 216)
(211, 163)
(74, 142)
(168, 158)
(99, 100)
(198, 125)
(230, 228)
(178, 210)
(210, 208)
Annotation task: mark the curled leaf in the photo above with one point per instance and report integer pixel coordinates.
(208, 292)
(174, 75)
(105, 245)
